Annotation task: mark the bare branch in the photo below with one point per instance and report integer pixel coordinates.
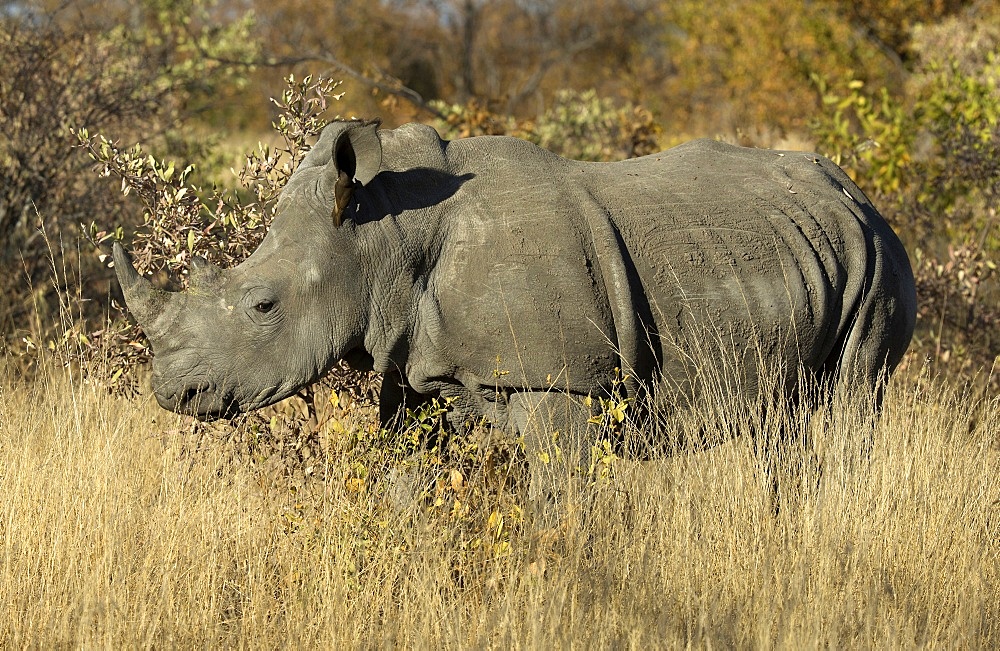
(532, 83)
(384, 82)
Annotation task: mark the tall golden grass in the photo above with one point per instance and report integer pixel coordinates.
(118, 533)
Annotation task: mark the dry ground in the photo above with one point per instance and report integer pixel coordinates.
(118, 534)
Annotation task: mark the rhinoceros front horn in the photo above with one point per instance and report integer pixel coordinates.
(145, 302)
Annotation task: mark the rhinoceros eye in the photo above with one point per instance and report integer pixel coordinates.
(264, 306)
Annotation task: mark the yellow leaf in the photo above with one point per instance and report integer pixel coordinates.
(495, 523)
(618, 413)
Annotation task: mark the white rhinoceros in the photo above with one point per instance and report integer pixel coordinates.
(497, 274)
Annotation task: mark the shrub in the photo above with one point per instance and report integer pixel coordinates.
(578, 125)
(585, 126)
(931, 161)
(58, 74)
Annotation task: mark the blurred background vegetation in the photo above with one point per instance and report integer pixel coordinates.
(902, 93)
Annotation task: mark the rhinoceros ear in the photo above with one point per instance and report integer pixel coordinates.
(358, 151)
(357, 157)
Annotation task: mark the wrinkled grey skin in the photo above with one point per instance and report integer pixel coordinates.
(498, 274)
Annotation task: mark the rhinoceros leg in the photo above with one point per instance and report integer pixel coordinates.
(394, 399)
(557, 442)
(783, 436)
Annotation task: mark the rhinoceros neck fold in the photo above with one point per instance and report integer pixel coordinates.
(397, 254)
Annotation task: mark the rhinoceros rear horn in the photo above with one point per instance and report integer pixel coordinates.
(203, 273)
(144, 301)
(357, 157)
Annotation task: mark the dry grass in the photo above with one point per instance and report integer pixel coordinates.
(118, 535)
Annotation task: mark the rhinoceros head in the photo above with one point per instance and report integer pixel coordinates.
(242, 338)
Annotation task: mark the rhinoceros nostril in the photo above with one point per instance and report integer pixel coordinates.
(190, 394)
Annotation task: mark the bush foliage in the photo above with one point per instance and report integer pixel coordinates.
(580, 124)
(931, 161)
(139, 78)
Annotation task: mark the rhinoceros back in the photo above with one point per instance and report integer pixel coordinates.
(757, 254)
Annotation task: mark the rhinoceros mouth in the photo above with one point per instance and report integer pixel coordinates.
(203, 400)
